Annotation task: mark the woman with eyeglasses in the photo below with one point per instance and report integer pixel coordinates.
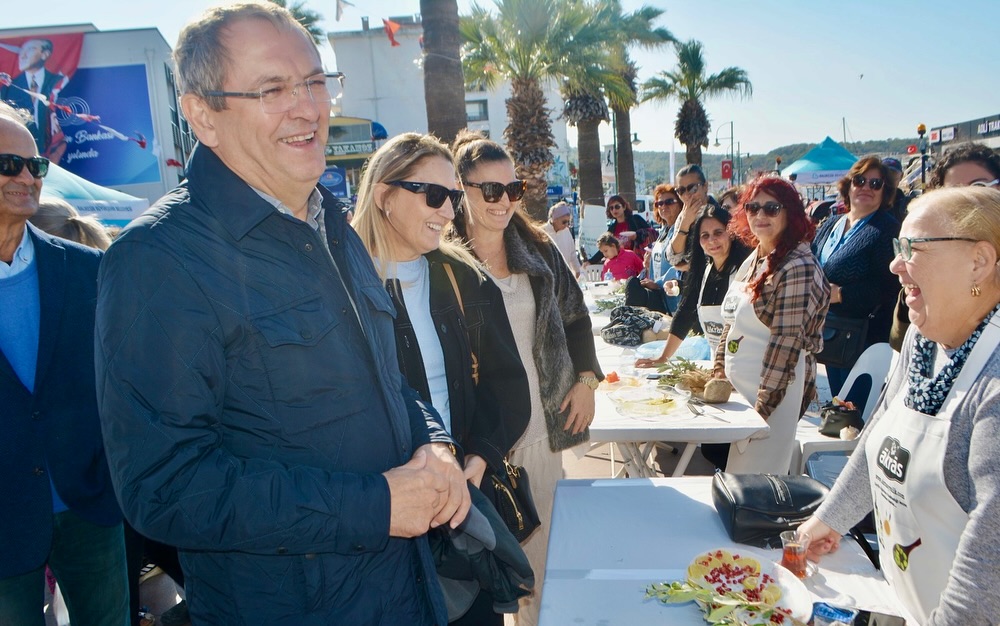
(855, 250)
(927, 462)
(548, 404)
(968, 165)
(648, 291)
(773, 315)
(407, 196)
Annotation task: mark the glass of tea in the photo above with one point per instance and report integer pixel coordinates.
(794, 545)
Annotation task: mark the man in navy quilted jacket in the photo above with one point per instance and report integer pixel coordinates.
(253, 407)
(57, 506)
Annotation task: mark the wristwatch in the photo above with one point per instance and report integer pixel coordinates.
(590, 381)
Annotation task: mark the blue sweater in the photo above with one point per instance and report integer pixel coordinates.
(19, 315)
(861, 268)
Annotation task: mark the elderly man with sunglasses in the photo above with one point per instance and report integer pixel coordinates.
(249, 386)
(57, 502)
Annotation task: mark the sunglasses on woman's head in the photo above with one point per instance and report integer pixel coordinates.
(12, 164)
(771, 209)
(666, 202)
(873, 183)
(492, 192)
(436, 194)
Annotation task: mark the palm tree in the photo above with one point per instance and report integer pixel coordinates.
(689, 84)
(586, 109)
(527, 43)
(444, 85)
(307, 17)
(634, 29)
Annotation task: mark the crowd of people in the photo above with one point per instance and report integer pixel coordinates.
(292, 414)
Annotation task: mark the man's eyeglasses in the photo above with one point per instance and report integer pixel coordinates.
(986, 183)
(12, 164)
(436, 194)
(770, 209)
(282, 96)
(686, 189)
(873, 183)
(903, 246)
(492, 192)
(666, 202)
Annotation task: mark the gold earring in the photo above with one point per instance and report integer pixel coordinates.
(976, 291)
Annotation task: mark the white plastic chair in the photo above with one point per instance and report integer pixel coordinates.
(592, 273)
(874, 362)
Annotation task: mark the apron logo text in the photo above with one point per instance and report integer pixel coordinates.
(893, 459)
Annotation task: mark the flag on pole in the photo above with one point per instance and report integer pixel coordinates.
(390, 30)
(340, 8)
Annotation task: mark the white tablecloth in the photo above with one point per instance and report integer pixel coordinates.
(610, 539)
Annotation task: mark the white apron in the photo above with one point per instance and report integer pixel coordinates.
(710, 316)
(745, 346)
(918, 521)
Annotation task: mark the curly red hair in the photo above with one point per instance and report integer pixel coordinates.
(798, 227)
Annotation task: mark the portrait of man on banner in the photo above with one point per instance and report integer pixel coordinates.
(33, 70)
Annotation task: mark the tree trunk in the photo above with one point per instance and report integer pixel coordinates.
(444, 84)
(626, 160)
(693, 154)
(589, 147)
(530, 141)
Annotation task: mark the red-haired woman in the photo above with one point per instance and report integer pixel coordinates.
(774, 313)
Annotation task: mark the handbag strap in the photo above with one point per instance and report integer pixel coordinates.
(461, 307)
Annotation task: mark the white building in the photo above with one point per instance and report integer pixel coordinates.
(124, 77)
(385, 83)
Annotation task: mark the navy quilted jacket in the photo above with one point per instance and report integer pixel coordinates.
(861, 268)
(247, 416)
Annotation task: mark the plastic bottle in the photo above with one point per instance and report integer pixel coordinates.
(608, 276)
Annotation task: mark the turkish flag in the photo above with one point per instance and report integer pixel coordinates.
(390, 31)
(727, 169)
(911, 149)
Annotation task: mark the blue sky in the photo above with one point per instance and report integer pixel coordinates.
(882, 65)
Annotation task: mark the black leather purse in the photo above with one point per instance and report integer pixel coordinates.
(843, 340)
(510, 493)
(756, 508)
(836, 417)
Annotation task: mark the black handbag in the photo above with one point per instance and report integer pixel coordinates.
(836, 417)
(756, 508)
(844, 340)
(509, 491)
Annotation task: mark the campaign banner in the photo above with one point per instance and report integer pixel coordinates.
(112, 152)
(34, 70)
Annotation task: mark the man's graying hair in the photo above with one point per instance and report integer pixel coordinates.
(201, 55)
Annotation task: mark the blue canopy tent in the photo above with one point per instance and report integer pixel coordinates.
(823, 165)
(111, 207)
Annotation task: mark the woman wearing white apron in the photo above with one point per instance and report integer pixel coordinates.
(774, 314)
(927, 463)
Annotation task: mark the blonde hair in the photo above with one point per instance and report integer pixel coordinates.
(396, 160)
(58, 217)
(972, 212)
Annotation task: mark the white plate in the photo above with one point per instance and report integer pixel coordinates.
(794, 595)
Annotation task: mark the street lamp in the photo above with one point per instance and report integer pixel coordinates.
(922, 145)
(635, 139)
(734, 180)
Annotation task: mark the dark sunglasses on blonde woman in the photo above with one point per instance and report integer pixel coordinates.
(873, 183)
(436, 194)
(492, 192)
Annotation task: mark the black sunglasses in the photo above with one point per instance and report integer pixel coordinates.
(492, 192)
(436, 194)
(873, 183)
(12, 164)
(771, 209)
(686, 189)
(666, 202)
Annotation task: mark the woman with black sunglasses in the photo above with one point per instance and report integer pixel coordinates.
(406, 197)
(649, 291)
(773, 315)
(630, 228)
(548, 403)
(855, 250)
